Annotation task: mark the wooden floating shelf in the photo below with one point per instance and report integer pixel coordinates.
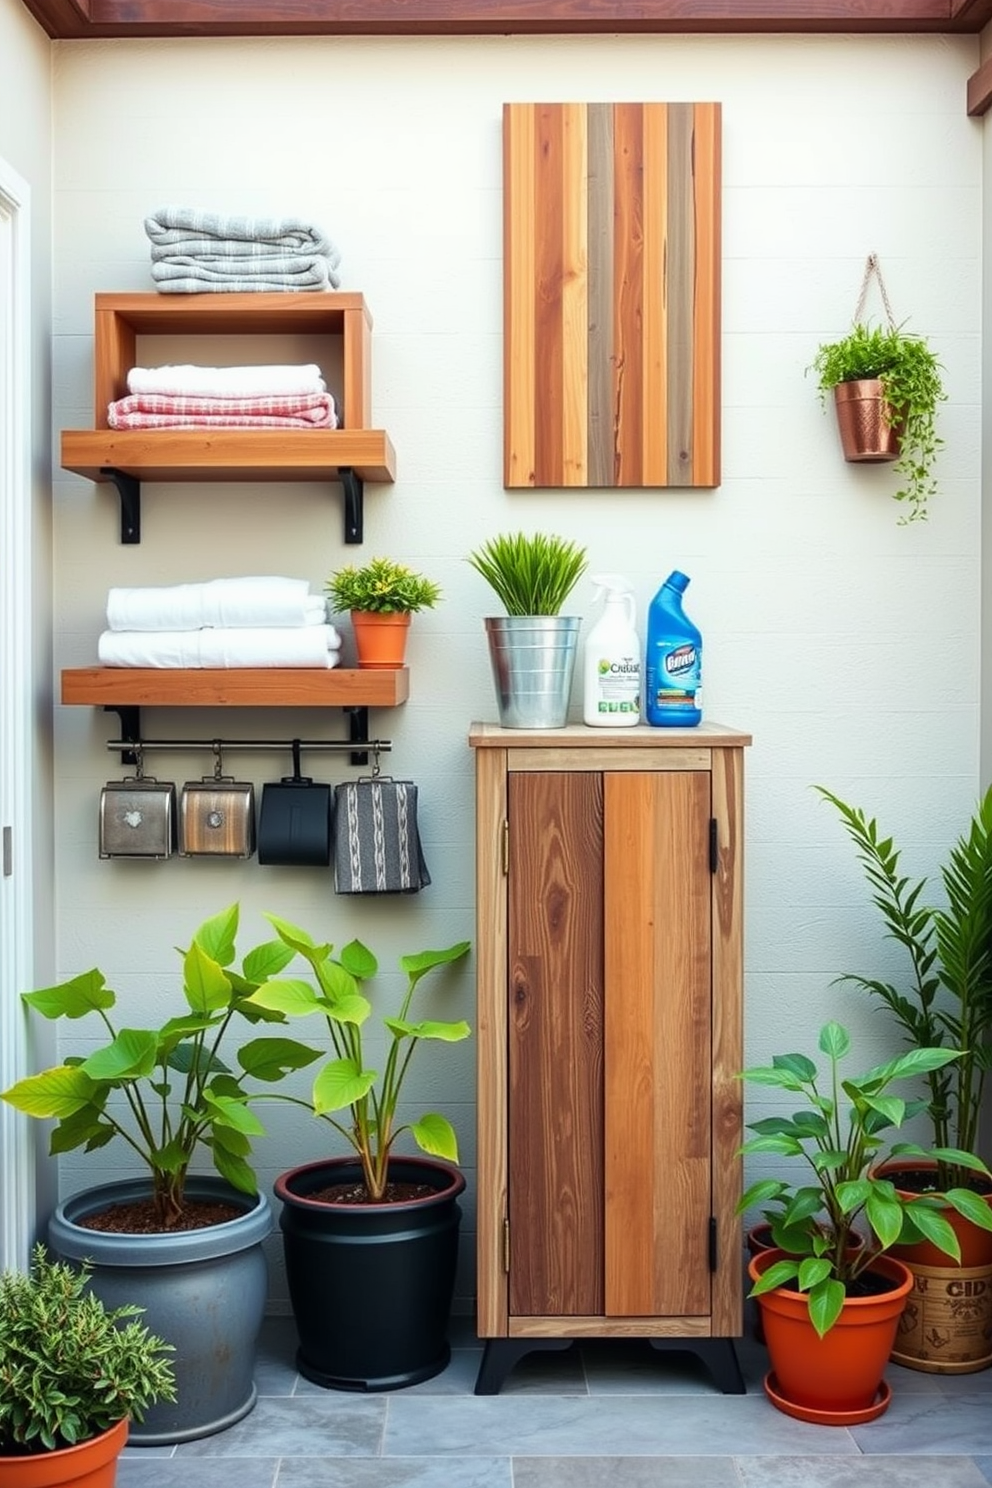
(235, 687)
(229, 454)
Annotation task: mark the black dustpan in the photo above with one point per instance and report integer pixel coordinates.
(294, 824)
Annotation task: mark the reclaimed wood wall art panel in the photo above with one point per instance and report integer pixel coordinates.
(611, 285)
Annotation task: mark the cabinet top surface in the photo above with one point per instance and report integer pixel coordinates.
(160, 313)
(580, 736)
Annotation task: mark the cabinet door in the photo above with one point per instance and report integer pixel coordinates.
(609, 1044)
(555, 1053)
(658, 1044)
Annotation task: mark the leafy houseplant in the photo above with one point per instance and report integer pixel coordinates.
(947, 998)
(530, 575)
(532, 647)
(909, 374)
(345, 1083)
(381, 587)
(370, 1239)
(179, 1096)
(69, 1368)
(838, 1136)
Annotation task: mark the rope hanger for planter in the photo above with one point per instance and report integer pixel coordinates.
(872, 270)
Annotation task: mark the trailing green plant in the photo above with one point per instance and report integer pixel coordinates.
(530, 574)
(838, 1134)
(166, 1092)
(70, 1369)
(946, 1001)
(381, 587)
(912, 387)
(345, 1082)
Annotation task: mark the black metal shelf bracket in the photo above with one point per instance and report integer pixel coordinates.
(130, 717)
(354, 504)
(129, 491)
(358, 733)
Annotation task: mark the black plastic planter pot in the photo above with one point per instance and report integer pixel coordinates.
(371, 1284)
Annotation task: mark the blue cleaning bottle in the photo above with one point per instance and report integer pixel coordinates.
(674, 687)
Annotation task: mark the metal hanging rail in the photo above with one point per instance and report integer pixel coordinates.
(225, 746)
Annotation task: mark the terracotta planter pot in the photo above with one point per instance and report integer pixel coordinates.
(380, 640)
(836, 1379)
(946, 1327)
(866, 436)
(90, 1464)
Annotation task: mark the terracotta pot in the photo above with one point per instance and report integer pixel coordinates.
(866, 435)
(836, 1379)
(380, 640)
(976, 1244)
(90, 1464)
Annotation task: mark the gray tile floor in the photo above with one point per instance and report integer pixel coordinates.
(606, 1415)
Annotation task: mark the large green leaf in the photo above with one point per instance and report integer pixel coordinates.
(936, 1228)
(421, 962)
(297, 999)
(340, 1083)
(434, 1133)
(73, 999)
(55, 1092)
(271, 1058)
(217, 935)
(834, 1040)
(358, 960)
(448, 1033)
(225, 1111)
(205, 982)
(232, 1167)
(133, 1055)
(264, 961)
(971, 1205)
(884, 1214)
(825, 1302)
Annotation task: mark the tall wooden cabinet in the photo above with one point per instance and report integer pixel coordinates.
(609, 1035)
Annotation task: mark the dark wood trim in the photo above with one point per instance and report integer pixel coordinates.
(76, 19)
(980, 90)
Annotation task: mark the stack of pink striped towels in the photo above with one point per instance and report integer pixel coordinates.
(190, 397)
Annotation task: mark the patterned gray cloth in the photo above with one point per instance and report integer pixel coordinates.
(377, 846)
(195, 251)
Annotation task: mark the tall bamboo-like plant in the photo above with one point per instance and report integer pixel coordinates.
(947, 1001)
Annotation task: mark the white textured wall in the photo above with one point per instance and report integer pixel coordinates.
(848, 645)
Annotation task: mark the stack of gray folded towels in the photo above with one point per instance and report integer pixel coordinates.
(194, 252)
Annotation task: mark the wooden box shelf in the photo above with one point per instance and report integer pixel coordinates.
(351, 454)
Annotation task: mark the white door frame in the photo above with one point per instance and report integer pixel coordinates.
(17, 783)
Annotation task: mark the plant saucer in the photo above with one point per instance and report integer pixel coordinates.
(828, 1417)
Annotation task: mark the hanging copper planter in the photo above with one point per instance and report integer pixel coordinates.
(866, 432)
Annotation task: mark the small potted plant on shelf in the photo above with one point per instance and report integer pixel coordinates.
(945, 1001)
(73, 1374)
(532, 647)
(186, 1247)
(886, 385)
(820, 1273)
(370, 1239)
(381, 596)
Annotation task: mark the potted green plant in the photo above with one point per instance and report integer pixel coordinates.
(186, 1247)
(532, 647)
(945, 1001)
(73, 1374)
(886, 386)
(819, 1272)
(370, 1239)
(380, 597)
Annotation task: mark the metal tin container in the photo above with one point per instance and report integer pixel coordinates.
(217, 818)
(137, 818)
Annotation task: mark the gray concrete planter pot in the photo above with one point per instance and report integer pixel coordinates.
(203, 1291)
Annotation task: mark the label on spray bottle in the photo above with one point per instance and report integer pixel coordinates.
(618, 686)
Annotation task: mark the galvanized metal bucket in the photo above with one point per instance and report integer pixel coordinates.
(533, 661)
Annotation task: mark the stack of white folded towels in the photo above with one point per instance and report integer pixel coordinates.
(190, 397)
(262, 621)
(194, 252)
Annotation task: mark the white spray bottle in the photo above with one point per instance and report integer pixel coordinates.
(611, 680)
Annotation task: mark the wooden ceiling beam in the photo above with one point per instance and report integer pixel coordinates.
(79, 19)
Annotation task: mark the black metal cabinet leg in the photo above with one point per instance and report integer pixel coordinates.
(501, 1354)
(719, 1356)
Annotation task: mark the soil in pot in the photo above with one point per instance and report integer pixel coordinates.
(140, 1217)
